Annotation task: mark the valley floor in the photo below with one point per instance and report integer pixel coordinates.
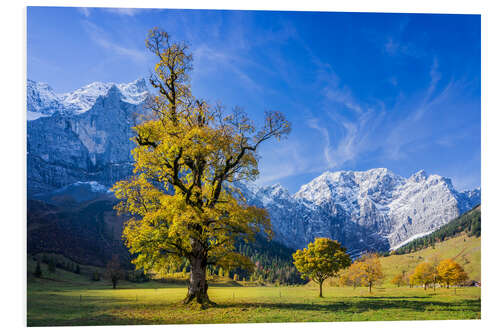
(53, 304)
(63, 298)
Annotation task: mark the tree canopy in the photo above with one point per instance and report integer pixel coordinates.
(366, 271)
(188, 154)
(451, 272)
(322, 259)
(424, 274)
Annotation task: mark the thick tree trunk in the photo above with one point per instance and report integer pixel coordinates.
(198, 286)
(370, 287)
(321, 289)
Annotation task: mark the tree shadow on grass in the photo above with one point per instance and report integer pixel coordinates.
(92, 312)
(366, 304)
(394, 297)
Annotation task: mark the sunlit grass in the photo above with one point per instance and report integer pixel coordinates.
(68, 306)
(65, 298)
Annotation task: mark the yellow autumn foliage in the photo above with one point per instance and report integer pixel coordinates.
(188, 155)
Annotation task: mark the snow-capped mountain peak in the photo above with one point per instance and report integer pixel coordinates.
(374, 209)
(82, 99)
(43, 101)
(418, 176)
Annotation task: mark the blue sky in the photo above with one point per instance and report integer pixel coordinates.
(400, 91)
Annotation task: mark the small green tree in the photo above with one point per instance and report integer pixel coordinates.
(321, 260)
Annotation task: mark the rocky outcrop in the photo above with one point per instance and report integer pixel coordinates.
(94, 145)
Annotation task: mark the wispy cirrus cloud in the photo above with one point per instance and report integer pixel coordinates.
(344, 140)
(87, 11)
(208, 60)
(273, 169)
(126, 11)
(413, 128)
(369, 127)
(395, 47)
(100, 37)
(342, 95)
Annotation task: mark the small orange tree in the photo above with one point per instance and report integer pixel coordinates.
(451, 272)
(372, 269)
(424, 274)
(397, 280)
(321, 260)
(365, 271)
(353, 276)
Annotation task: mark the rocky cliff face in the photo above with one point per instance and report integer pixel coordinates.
(69, 146)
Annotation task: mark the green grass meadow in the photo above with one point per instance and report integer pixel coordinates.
(66, 299)
(52, 303)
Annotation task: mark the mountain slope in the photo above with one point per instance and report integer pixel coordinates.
(88, 233)
(464, 249)
(469, 222)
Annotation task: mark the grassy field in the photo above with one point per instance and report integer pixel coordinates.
(65, 298)
(63, 303)
(151, 305)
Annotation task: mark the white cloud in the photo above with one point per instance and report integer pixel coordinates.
(98, 35)
(314, 124)
(435, 76)
(412, 128)
(208, 60)
(125, 11)
(282, 160)
(342, 96)
(84, 10)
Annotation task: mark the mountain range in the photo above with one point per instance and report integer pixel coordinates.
(79, 146)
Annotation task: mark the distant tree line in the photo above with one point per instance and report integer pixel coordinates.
(469, 223)
(273, 263)
(54, 262)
